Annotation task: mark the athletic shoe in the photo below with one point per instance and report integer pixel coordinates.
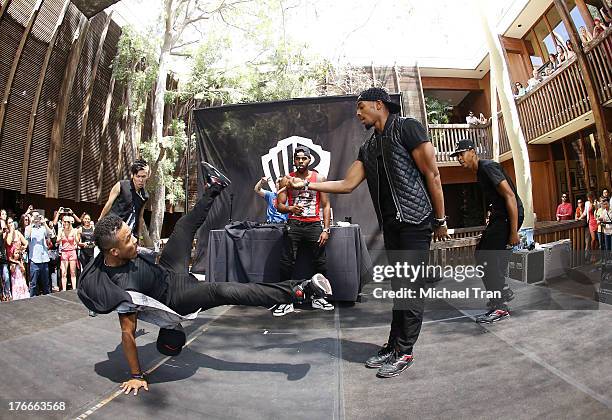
(322, 304)
(282, 309)
(507, 296)
(381, 357)
(316, 287)
(213, 176)
(396, 364)
(492, 316)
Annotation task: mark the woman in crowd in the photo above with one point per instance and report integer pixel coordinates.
(68, 239)
(585, 36)
(552, 61)
(570, 50)
(19, 288)
(598, 28)
(579, 209)
(589, 216)
(54, 258)
(86, 243)
(520, 90)
(561, 56)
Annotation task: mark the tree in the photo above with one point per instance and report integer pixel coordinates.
(438, 111)
(178, 16)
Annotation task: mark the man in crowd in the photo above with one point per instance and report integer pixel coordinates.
(399, 163)
(494, 248)
(128, 197)
(304, 226)
(565, 210)
(272, 213)
(37, 234)
(120, 279)
(472, 119)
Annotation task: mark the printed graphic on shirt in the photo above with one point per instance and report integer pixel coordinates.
(306, 199)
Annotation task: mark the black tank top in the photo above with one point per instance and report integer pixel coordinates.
(128, 203)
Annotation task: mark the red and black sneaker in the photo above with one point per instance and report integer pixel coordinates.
(492, 316)
(395, 365)
(213, 176)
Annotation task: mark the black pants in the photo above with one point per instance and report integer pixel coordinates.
(407, 243)
(186, 294)
(492, 254)
(302, 234)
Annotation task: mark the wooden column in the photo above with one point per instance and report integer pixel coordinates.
(397, 78)
(16, 58)
(568, 178)
(61, 112)
(3, 8)
(594, 100)
(87, 103)
(37, 93)
(586, 15)
(585, 162)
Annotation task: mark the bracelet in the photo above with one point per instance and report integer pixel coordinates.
(306, 184)
(439, 222)
(140, 376)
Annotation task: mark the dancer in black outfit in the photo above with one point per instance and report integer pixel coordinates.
(119, 268)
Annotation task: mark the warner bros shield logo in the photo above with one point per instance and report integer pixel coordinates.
(278, 161)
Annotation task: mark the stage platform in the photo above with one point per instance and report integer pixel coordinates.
(554, 362)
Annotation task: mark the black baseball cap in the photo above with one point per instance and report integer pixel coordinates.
(302, 149)
(170, 342)
(379, 94)
(462, 146)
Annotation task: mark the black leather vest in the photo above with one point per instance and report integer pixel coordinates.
(410, 195)
(128, 200)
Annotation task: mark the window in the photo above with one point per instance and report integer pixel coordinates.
(559, 34)
(544, 38)
(534, 52)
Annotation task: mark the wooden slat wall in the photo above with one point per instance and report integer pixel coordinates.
(49, 99)
(70, 150)
(19, 106)
(93, 139)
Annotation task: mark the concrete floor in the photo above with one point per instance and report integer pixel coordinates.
(551, 360)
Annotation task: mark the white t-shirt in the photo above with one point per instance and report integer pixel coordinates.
(606, 215)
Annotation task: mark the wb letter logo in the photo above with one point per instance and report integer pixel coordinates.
(279, 160)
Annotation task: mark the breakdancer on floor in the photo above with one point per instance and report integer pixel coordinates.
(121, 279)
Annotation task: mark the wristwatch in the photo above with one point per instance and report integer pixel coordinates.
(439, 222)
(327, 230)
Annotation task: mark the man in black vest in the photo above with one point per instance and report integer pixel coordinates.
(399, 163)
(501, 234)
(128, 197)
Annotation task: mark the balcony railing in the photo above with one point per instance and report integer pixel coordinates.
(554, 102)
(445, 137)
(599, 56)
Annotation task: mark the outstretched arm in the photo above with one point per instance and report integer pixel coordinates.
(354, 176)
(128, 342)
(257, 187)
(111, 199)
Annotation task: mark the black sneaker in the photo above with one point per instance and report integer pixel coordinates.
(492, 316)
(213, 176)
(396, 364)
(316, 287)
(507, 295)
(381, 357)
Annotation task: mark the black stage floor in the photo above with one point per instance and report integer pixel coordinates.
(553, 362)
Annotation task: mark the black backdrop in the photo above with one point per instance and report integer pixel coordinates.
(234, 138)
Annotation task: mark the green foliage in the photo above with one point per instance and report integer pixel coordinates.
(174, 144)
(135, 65)
(438, 111)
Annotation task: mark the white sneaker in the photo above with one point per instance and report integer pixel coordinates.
(321, 303)
(282, 309)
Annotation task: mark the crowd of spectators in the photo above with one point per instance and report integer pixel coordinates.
(564, 54)
(36, 251)
(597, 214)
